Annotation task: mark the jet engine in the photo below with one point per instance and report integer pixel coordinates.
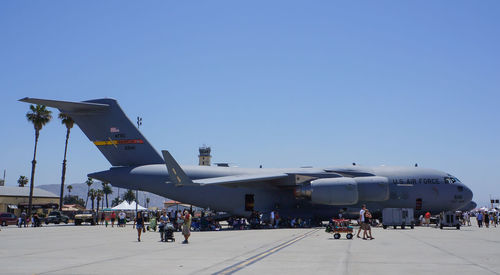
(344, 191)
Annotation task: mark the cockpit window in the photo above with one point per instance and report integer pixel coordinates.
(450, 179)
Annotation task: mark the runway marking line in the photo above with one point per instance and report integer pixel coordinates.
(240, 265)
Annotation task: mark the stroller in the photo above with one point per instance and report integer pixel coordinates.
(167, 232)
(152, 224)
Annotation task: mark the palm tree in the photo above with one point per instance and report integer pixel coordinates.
(129, 196)
(89, 183)
(92, 195)
(68, 122)
(22, 181)
(69, 189)
(116, 201)
(38, 116)
(99, 195)
(107, 191)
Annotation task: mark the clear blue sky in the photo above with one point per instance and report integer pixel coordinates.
(277, 83)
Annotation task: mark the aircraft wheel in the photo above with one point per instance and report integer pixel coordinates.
(349, 236)
(441, 226)
(403, 226)
(458, 227)
(384, 226)
(412, 226)
(336, 236)
(395, 227)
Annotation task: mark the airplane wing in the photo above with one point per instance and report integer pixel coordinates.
(180, 178)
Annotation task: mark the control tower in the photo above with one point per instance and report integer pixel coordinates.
(204, 156)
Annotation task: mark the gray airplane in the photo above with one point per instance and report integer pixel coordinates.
(316, 193)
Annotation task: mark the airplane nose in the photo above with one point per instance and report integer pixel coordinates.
(467, 194)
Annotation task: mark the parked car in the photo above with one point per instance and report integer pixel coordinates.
(85, 216)
(7, 218)
(56, 217)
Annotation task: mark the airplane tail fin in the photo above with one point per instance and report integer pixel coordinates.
(107, 126)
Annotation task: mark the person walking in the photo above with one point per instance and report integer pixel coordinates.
(479, 218)
(361, 219)
(113, 218)
(186, 226)
(486, 219)
(367, 233)
(139, 225)
(162, 225)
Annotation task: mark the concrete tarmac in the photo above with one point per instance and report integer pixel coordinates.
(68, 249)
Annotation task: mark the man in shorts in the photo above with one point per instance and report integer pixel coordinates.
(186, 226)
(361, 219)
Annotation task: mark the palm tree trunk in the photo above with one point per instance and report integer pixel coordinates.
(64, 170)
(92, 204)
(107, 206)
(87, 200)
(32, 180)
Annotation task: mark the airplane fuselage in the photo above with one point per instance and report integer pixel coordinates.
(408, 187)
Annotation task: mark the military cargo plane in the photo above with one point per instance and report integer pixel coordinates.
(316, 193)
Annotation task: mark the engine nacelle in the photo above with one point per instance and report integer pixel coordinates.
(345, 191)
(331, 191)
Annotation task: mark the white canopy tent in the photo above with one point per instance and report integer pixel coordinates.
(125, 206)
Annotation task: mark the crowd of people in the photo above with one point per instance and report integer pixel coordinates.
(185, 221)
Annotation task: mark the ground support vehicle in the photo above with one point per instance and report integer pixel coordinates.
(338, 227)
(56, 217)
(448, 219)
(85, 216)
(398, 217)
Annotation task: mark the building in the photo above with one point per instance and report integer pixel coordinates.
(204, 157)
(16, 199)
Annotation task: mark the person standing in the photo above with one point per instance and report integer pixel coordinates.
(479, 219)
(427, 219)
(361, 219)
(162, 226)
(122, 219)
(277, 219)
(486, 219)
(271, 219)
(186, 226)
(139, 225)
(113, 218)
(23, 219)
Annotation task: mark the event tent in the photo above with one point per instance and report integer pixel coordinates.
(128, 206)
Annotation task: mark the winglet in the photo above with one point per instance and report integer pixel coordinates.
(175, 172)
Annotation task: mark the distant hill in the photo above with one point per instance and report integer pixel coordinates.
(80, 189)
